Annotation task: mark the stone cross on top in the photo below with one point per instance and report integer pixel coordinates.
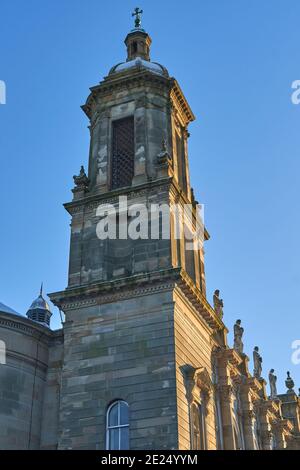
(138, 17)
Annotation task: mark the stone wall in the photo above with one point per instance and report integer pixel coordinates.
(193, 347)
(52, 394)
(120, 350)
(22, 382)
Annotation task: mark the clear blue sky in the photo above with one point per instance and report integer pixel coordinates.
(236, 61)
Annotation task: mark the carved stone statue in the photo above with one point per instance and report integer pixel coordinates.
(81, 181)
(218, 304)
(238, 334)
(257, 359)
(163, 157)
(272, 381)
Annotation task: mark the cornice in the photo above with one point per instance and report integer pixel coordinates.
(116, 290)
(254, 385)
(284, 425)
(198, 300)
(91, 202)
(182, 104)
(113, 84)
(141, 78)
(271, 407)
(231, 356)
(26, 326)
(137, 286)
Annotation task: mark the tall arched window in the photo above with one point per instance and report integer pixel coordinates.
(123, 151)
(117, 426)
(198, 427)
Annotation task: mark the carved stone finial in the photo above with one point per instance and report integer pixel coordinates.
(273, 387)
(218, 304)
(238, 334)
(81, 181)
(163, 157)
(289, 383)
(257, 359)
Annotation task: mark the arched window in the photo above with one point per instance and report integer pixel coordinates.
(117, 426)
(198, 427)
(123, 152)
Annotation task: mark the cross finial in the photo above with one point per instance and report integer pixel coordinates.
(138, 17)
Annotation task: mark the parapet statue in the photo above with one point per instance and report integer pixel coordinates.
(218, 304)
(257, 359)
(238, 334)
(272, 381)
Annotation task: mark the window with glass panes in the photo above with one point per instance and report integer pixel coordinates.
(117, 429)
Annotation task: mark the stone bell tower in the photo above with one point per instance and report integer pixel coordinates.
(138, 326)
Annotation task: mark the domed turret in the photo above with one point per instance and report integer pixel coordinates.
(138, 44)
(39, 310)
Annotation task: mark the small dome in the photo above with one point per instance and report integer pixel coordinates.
(139, 63)
(39, 310)
(41, 303)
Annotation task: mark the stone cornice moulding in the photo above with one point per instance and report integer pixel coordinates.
(26, 326)
(197, 299)
(253, 384)
(105, 299)
(229, 355)
(110, 85)
(91, 202)
(112, 291)
(178, 97)
(271, 408)
(284, 425)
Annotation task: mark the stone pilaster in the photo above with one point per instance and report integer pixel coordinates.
(140, 160)
(102, 181)
(225, 392)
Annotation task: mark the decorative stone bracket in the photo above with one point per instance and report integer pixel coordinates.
(198, 384)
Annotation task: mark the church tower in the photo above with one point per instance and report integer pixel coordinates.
(139, 333)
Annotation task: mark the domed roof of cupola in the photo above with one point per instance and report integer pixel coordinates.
(138, 44)
(41, 303)
(39, 310)
(139, 64)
